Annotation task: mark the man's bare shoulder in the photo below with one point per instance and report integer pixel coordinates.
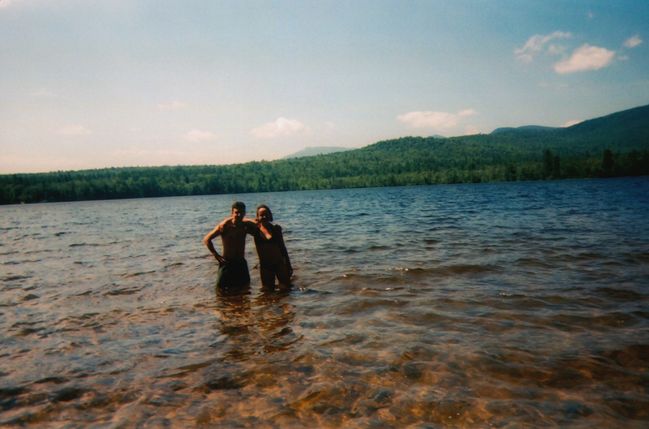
(224, 224)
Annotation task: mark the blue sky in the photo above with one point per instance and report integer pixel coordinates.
(103, 83)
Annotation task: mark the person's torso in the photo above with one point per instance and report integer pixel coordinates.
(269, 250)
(234, 240)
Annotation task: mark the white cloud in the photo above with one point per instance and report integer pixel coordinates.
(632, 42)
(556, 49)
(572, 122)
(74, 130)
(585, 58)
(466, 112)
(280, 127)
(5, 3)
(172, 105)
(537, 43)
(434, 120)
(199, 136)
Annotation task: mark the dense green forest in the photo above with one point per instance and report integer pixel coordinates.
(614, 145)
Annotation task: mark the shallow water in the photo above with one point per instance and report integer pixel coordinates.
(492, 305)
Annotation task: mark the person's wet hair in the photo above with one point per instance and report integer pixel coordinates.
(270, 213)
(239, 206)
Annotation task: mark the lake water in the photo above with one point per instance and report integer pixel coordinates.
(489, 305)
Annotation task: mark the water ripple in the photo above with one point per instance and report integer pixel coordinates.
(502, 305)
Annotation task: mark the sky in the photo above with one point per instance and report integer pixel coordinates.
(112, 83)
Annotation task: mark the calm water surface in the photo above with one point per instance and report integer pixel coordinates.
(493, 305)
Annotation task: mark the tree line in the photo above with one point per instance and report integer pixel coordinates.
(407, 161)
(613, 145)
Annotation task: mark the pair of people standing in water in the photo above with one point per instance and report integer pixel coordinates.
(269, 241)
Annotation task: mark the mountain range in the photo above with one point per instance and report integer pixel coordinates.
(612, 145)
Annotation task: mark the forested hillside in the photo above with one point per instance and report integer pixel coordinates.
(614, 145)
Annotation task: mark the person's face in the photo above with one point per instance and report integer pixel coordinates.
(263, 215)
(237, 215)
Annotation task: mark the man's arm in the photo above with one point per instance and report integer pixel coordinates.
(207, 241)
(251, 226)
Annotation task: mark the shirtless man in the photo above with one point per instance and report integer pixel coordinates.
(233, 268)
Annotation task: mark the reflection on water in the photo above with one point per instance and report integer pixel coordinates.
(253, 327)
(504, 305)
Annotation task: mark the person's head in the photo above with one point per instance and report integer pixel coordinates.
(264, 213)
(238, 210)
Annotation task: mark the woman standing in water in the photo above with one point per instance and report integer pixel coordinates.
(273, 256)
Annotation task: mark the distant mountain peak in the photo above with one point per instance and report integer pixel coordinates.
(316, 150)
(524, 128)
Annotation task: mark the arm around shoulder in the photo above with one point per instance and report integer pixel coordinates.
(251, 226)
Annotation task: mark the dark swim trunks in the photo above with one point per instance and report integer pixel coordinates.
(233, 274)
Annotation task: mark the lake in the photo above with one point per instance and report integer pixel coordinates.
(477, 305)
